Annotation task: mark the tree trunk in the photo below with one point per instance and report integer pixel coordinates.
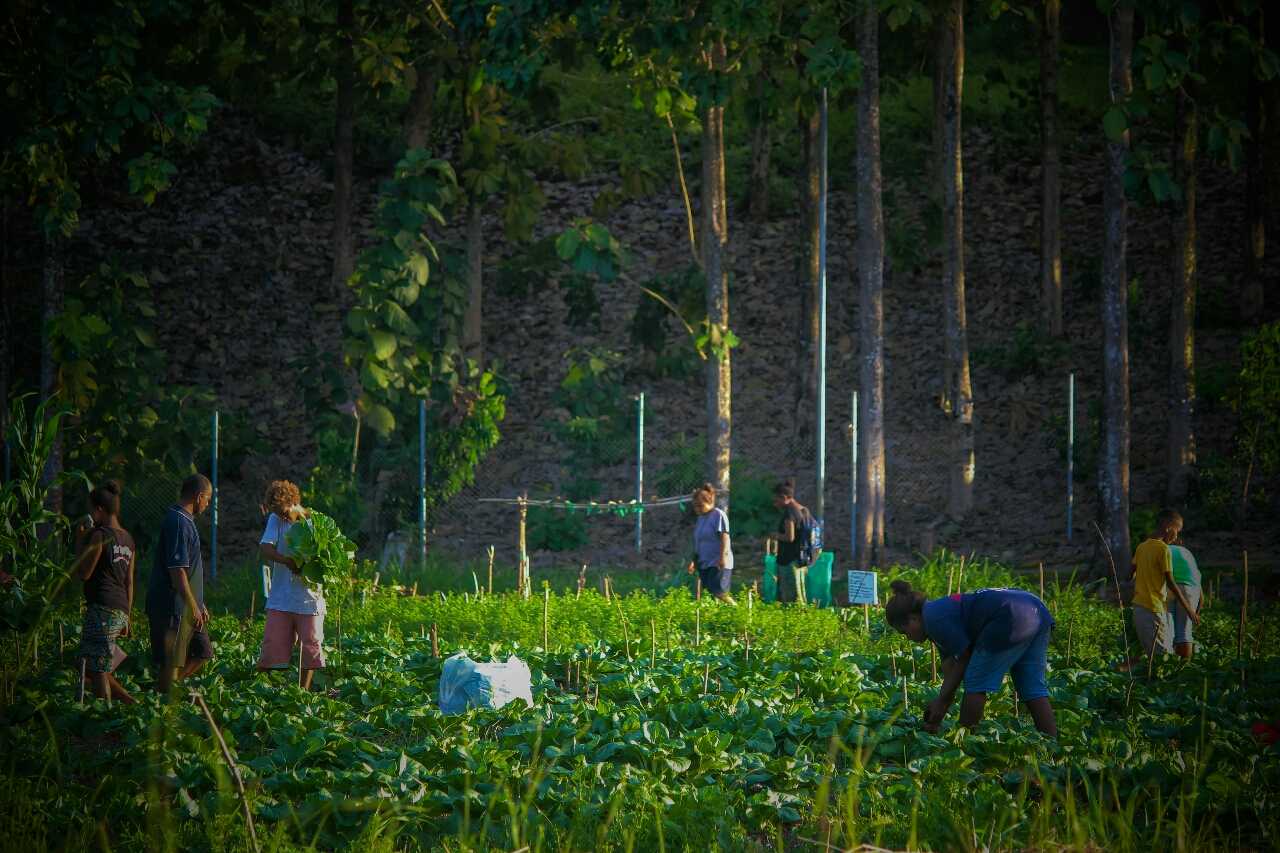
(870, 249)
(1114, 459)
(958, 386)
(418, 117)
(1252, 295)
(472, 329)
(53, 284)
(715, 259)
(344, 151)
(758, 206)
(1271, 125)
(1050, 171)
(810, 286)
(1182, 316)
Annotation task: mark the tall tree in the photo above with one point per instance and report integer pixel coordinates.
(957, 384)
(714, 242)
(1182, 314)
(761, 115)
(1252, 294)
(1114, 459)
(1050, 170)
(344, 257)
(806, 391)
(870, 249)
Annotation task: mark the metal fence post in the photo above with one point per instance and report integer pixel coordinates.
(213, 538)
(853, 478)
(1071, 448)
(639, 472)
(422, 483)
(819, 501)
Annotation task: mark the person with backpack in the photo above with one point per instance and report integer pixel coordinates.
(105, 564)
(797, 548)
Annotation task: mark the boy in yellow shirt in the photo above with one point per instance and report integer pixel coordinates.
(1152, 583)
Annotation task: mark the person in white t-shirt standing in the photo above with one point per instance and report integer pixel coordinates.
(295, 607)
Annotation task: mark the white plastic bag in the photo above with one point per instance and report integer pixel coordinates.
(466, 684)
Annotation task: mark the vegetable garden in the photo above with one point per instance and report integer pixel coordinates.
(661, 722)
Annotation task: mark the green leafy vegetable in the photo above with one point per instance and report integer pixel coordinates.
(324, 555)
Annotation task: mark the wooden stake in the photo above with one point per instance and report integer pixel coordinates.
(653, 643)
(893, 662)
(1244, 609)
(1042, 580)
(747, 639)
(960, 578)
(751, 595)
(950, 579)
(490, 588)
(697, 628)
(866, 618)
(698, 593)
(582, 580)
(546, 616)
(522, 573)
(253, 602)
(377, 576)
(231, 766)
(435, 641)
(414, 592)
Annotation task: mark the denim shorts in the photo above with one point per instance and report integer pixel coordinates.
(1181, 621)
(715, 580)
(1026, 662)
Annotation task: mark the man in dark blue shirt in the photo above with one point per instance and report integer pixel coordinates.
(180, 642)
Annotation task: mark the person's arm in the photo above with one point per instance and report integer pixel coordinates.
(178, 576)
(87, 561)
(1194, 614)
(953, 670)
(269, 552)
(724, 549)
(787, 534)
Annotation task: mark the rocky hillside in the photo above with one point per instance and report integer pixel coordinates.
(239, 249)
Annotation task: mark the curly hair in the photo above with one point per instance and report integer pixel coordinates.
(280, 497)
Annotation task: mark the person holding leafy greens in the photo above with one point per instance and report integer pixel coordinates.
(981, 636)
(105, 564)
(295, 607)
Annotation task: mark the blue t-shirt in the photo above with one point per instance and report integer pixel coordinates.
(988, 619)
(178, 548)
(706, 538)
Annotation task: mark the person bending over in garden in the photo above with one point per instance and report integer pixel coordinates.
(295, 608)
(981, 636)
(105, 564)
(712, 554)
(1186, 577)
(175, 593)
(1152, 583)
(795, 541)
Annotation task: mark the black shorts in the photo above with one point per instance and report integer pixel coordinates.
(199, 648)
(715, 580)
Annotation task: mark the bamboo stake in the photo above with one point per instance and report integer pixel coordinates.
(582, 580)
(950, 579)
(653, 643)
(435, 641)
(414, 592)
(231, 765)
(253, 602)
(866, 618)
(523, 570)
(546, 615)
(960, 578)
(490, 588)
(697, 628)
(1244, 609)
(893, 662)
(1042, 580)
(300, 672)
(698, 593)
(747, 636)
(933, 661)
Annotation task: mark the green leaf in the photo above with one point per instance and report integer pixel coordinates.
(567, 243)
(419, 267)
(384, 344)
(379, 418)
(144, 337)
(1115, 123)
(662, 102)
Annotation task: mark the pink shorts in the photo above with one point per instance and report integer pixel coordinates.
(278, 638)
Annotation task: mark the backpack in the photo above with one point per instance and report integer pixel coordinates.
(810, 535)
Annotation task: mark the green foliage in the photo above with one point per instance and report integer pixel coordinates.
(751, 510)
(404, 333)
(332, 487)
(31, 535)
(597, 431)
(555, 530)
(595, 256)
(684, 291)
(1088, 439)
(323, 554)
(81, 93)
(1027, 353)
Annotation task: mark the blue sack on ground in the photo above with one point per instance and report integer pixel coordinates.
(465, 683)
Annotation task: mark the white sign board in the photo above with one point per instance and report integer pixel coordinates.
(862, 588)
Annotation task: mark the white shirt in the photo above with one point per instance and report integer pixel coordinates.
(290, 592)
